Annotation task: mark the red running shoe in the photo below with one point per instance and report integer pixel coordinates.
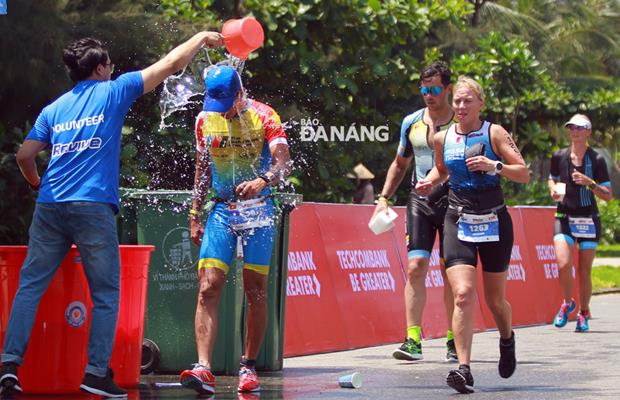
(199, 379)
(248, 380)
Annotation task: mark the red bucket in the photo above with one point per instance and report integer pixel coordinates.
(57, 352)
(242, 36)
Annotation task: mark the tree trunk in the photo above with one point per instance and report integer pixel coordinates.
(475, 18)
(237, 9)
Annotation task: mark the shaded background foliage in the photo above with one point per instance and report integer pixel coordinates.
(342, 62)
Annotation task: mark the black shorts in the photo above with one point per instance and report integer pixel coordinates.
(423, 223)
(561, 229)
(494, 256)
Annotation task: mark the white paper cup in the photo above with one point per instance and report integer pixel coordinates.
(560, 188)
(353, 381)
(382, 222)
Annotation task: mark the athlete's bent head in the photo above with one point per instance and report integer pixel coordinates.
(223, 85)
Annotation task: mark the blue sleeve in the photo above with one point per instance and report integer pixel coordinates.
(41, 131)
(128, 87)
(600, 171)
(405, 149)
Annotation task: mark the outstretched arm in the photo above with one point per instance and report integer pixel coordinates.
(178, 59)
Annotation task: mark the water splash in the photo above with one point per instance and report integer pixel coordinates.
(187, 88)
(178, 92)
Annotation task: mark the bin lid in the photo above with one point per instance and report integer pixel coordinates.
(185, 196)
(175, 196)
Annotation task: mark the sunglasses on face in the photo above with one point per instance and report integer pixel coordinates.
(433, 90)
(576, 128)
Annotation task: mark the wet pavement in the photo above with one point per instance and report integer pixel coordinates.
(553, 364)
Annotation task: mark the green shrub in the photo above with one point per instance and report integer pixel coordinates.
(535, 193)
(610, 221)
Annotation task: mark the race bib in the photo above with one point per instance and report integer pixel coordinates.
(478, 228)
(248, 214)
(582, 227)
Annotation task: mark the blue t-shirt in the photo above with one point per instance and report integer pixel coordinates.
(83, 131)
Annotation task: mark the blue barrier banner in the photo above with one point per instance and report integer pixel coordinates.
(2, 7)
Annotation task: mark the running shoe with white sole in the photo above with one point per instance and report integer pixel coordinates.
(410, 350)
(248, 380)
(9, 383)
(199, 378)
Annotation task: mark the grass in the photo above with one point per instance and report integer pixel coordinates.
(605, 277)
(608, 250)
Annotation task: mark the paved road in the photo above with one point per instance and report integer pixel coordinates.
(554, 364)
(613, 261)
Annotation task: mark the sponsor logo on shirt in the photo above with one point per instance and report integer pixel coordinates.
(453, 154)
(77, 124)
(77, 146)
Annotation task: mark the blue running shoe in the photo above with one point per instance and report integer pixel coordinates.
(582, 323)
(562, 317)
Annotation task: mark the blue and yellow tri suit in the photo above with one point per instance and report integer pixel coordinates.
(239, 150)
(425, 215)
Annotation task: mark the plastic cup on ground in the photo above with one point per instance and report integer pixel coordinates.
(382, 222)
(353, 381)
(560, 188)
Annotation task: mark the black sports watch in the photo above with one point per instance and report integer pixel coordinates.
(498, 167)
(265, 178)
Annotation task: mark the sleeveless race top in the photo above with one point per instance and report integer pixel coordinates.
(472, 190)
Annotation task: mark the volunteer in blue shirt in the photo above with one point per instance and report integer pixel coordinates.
(583, 172)
(78, 197)
(477, 223)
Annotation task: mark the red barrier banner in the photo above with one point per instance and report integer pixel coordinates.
(313, 323)
(522, 281)
(366, 271)
(346, 284)
(537, 223)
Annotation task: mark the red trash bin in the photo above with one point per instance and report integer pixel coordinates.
(57, 352)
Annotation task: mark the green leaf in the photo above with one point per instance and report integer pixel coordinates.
(374, 4)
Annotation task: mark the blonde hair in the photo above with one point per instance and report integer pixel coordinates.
(469, 83)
